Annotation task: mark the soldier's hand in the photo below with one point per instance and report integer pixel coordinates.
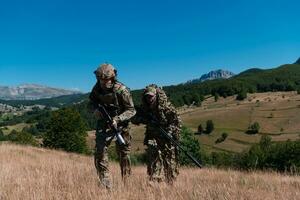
(115, 124)
(98, 114)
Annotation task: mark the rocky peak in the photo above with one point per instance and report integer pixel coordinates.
(216, 74)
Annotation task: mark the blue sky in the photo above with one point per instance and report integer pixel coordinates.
(59, 43)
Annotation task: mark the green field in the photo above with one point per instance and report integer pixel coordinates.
(278, 114)
(17, 127)
(5, 116)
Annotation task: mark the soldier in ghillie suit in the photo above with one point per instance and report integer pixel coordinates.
(118, 102)
(162, 155)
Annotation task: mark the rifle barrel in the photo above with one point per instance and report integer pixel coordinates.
(181, 148)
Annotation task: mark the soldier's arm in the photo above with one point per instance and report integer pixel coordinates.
(140, 116)
(129, 107)
(174, 121)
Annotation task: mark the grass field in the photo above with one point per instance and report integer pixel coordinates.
(5, 116)
(278, 114)
(17, 127)
(36, 173)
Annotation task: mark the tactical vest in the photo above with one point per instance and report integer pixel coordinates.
(111, 100)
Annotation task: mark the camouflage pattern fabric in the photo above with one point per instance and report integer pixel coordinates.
(103, 141)
(120, 106)
(154, 162)
(162, 154)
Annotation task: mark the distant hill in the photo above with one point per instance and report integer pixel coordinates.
(32, 92)
(51, 102)
(212, 75)
(250, 72)
(298, 61)
(282, 78)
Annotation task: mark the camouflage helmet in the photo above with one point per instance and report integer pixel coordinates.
(105, 71)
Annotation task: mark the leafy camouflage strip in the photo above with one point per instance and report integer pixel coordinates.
(162, 155)
(169, 162)
(154, 162)
(165, 112)
(161, 160)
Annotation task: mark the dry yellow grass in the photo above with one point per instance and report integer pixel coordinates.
(35, 173)
(276, 112)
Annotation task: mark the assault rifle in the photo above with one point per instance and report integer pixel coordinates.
(109, 121)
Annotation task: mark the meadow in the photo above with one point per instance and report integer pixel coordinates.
(37, 173)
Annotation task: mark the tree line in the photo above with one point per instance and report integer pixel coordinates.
(67, 130)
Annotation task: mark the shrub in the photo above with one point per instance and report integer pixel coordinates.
(32, 130)
(209, 126)
(200, 129)
(253, 128)
(216, 96)
(222, 159)
(241, 95)
(137, 159)
(222, 138)
(67, 131)
(191, 145)
(2, 136)
(283, 156)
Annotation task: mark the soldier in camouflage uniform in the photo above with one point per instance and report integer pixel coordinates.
(118, 102)
(162, 154)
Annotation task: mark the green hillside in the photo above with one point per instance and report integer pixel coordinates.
(276, 112)
(283, 78)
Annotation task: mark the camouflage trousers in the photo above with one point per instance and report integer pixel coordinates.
(103, 141)
(162, 161)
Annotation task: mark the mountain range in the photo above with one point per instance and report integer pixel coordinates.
(32, 92)
(36, 92)
(212, 75)
(282, 78)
